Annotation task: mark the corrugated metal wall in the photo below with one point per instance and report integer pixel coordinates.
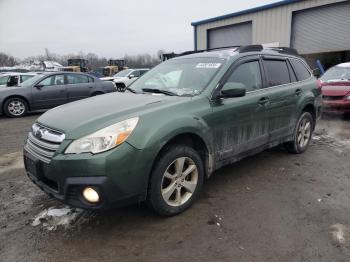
(322, 29)
(269, 26)
(233, 35)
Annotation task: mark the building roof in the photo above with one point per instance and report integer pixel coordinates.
(247, 11)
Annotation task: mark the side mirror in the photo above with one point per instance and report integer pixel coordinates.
(39, 86)
(131, 76)
(233, 89)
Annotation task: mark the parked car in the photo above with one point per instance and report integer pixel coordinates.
(14, 79)
(49, 90)
(126, 77)
(161, 139)
(336, 89)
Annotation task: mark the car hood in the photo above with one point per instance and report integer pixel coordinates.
(86, 116)
(335, 88)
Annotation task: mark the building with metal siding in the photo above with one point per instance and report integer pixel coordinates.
(316, 28)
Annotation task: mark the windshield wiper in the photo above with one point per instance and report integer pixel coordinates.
(159, 91)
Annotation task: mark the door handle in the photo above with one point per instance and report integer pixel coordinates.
(263, 101)
(90, 87)
(298, 91)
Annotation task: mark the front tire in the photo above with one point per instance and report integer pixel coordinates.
(176, 180)
(302, 134)
(15, 107)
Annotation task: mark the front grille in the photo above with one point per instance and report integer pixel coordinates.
(43, 142)
(333, 98)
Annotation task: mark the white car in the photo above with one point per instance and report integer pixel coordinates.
(14, 79)
(126, 77)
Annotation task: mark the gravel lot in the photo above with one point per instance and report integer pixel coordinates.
(271, 207)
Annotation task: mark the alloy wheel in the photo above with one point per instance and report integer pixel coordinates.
(304, 132)
(179, 181)
(16, 108)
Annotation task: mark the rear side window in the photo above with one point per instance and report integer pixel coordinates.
(277, 72)
(77, 79)
(247, 74)
(300, 70)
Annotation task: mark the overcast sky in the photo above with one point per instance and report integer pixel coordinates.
(109, 28)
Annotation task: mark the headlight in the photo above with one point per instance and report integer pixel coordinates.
(347, 98)
(104, 139)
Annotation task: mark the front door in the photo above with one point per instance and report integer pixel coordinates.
(49, 92)
(240, 124)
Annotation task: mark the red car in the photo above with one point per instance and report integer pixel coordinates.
(335, 85)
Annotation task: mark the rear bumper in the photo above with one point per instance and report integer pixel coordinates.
(336, 106)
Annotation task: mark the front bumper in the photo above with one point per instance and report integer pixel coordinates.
(119, 175)
(341, 106)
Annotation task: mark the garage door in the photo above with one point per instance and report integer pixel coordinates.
(322, 29)
(234, 35)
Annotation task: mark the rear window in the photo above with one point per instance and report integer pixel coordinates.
(300, 70)
(277, 72)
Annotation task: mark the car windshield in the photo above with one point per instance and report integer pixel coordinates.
(123, 73)
(182, 77)
(31, 80)
(336, 73)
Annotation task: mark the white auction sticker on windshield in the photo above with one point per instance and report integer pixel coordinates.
(208, 65)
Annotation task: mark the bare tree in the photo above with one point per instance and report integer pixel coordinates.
(7, 60)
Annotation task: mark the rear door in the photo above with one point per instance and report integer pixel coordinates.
(49, 92)
(282, 90)
(78, 86)
(240, 124)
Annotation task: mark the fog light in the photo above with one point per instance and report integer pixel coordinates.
(91, 195)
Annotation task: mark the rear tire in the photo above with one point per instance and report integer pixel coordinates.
(15, 107)
(176, 180)
(302, 134)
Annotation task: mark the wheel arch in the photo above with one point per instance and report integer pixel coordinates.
(309, 107)
(15, 96)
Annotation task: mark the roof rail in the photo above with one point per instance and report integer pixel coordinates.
(240, 49)
(250, 48)
(283, 50)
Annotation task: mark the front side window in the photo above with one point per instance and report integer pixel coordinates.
(183, 77)
(3, 80)
(25, 77)
(123, 73)
(300, 70)
(142, 72)
(53, 80)
(135, 73)
(277, 72)
(247, 74)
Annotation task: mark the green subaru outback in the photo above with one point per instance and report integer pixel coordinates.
(172, 128)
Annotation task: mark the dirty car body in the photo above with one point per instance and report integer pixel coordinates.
(199, 112)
